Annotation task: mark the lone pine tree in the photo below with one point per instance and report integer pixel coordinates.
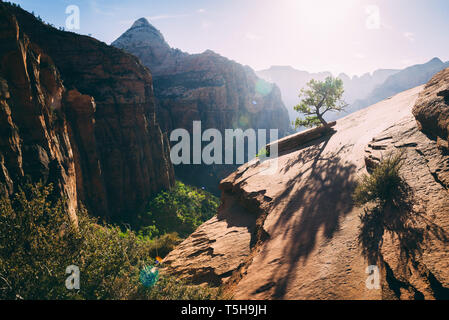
(318, 98)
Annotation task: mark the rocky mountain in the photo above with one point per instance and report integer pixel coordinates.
(360, 92)
(291, 81)
(296, 233)
(207, 87)
(405, 79)
(360, 87)
(78, 113)
(432, 112)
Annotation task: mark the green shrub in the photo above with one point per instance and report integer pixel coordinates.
(384, 185)
(38, 242)
(163, 245)
(389, 206)
(182, 210)
(167, 288)
(263, 153)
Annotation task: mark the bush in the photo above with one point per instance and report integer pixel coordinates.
(38, 242)
(167, 288)
(388, 207)
(384, 185)
(182, 210)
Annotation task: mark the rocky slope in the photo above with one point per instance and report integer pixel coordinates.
(79, 113)
(297, 230)
(222, 94)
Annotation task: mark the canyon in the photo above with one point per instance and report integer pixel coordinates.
(295, 234)
(94, 120)
(205, 87)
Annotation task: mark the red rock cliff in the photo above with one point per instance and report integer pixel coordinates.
(84, 117)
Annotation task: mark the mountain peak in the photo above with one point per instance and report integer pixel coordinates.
(142, 22)
(141, 33)
(436, 60)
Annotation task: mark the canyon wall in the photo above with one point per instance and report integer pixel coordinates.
(85, 108)
(205, 87)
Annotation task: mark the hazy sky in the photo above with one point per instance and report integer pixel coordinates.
(352, 36)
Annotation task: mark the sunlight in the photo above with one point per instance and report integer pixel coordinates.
(321, 14)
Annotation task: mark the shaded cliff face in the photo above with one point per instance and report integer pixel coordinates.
(34, 134)
(105, 97)
(220, 93)
(297, 230)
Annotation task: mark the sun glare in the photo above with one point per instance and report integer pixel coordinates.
(321, 13)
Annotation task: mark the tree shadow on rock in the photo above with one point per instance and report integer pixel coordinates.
(318, 204)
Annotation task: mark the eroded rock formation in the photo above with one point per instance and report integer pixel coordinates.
(34, 135)
(207, 87)
(81, 111)
(301, 235)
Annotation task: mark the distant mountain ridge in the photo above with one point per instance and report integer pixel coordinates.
(410, 77)
(290, 80)
(360, 92)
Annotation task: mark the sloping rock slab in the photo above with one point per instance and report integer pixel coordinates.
(418, 266)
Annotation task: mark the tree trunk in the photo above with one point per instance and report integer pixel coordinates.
(320, 117)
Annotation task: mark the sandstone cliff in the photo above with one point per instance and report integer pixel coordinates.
(34, 136)
(294, 234)
(222, 94)
(78, 113)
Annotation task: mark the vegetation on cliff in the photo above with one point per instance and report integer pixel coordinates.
(173, 215)
(38, 242)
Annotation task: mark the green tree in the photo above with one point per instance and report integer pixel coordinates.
(182, 210)
(318, 98)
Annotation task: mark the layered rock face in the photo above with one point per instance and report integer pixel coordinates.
(206, 87)
(34, 134)
(298, 230)
(116, 153)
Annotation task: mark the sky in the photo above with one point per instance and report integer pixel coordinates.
(351, 36)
